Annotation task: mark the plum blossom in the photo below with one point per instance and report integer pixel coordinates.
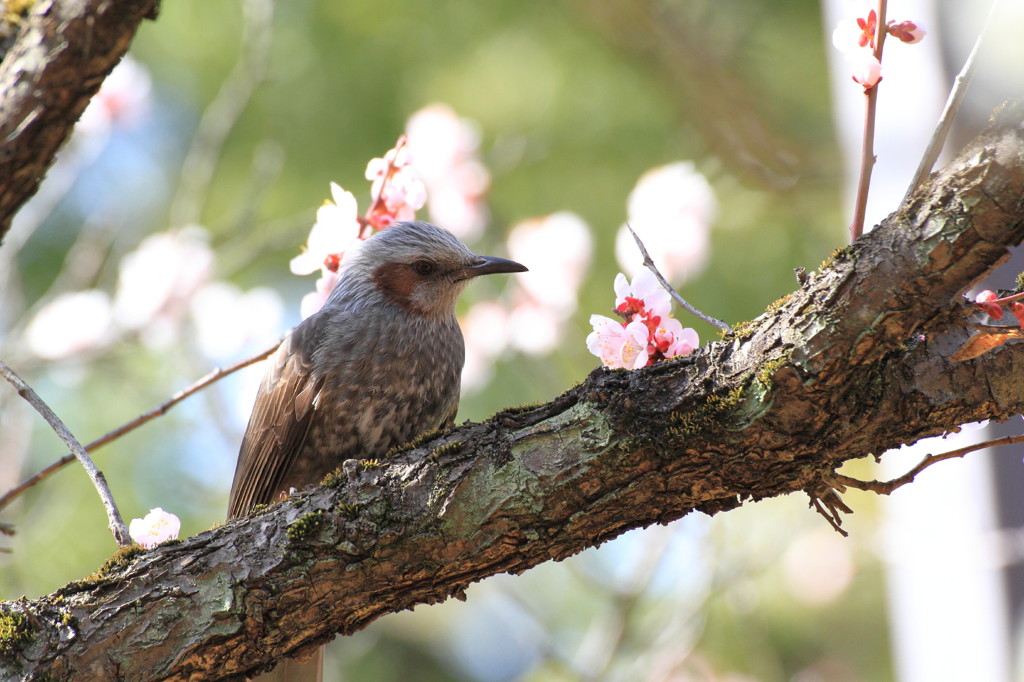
(909, 32)
(671, 209)
(336, 229)
(156, 281)
(484, 328)
(558, 248)
(1017, 309)
(855, 33)
(155, 527)
(619, 345)
(71, 323)
(865, 69)
(671, 339)
(643, 293)
(397, 191)
(985, 301)
(122, 99)
(228, 320)
(647, 322)
(444, 151)
(855, 38)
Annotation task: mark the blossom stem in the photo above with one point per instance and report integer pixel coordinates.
(115, 522)
(867, 155)
(649, 264)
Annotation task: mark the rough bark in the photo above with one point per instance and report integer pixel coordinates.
(854, 362)
(63, 51)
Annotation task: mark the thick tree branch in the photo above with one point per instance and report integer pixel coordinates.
(853, 363)
(62, 53)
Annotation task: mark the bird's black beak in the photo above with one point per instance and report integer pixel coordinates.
(489, 265)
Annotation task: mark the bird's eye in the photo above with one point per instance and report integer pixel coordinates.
(424, 267)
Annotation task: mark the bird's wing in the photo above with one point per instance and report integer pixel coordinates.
(279, 424)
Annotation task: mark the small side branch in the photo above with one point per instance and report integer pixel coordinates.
(157, 411)
(887, 487)
(116, 523)
(956, 96)
(649, 264)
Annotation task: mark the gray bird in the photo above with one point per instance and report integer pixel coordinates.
(378, 365)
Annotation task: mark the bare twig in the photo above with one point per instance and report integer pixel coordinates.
(867, 152)
(887, 487)
(157, 411)
(956, 96)
(649, 264)
(116, 523)
(827, 502)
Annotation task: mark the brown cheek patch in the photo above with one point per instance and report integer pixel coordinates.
(397, 282)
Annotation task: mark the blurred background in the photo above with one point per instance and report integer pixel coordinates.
(726, 131)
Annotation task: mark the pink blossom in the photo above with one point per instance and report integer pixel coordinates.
(445, 153)
(909, 32)
(619, 345)
(558, 248)
(985, 299)
(70, 324)
(336, 229)
(157, 280)
(643, 293)
(122, 99)
(397, 191)
(1017, 308)
(856, 33)
(671, 208)
(534, 328)
(156, 527)
(672, 340)
(866, 69)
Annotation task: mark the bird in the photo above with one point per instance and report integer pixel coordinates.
(376, 366)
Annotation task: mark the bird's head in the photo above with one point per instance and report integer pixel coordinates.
(422, 268)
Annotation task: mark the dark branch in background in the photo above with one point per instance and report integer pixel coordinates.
(159, 410)
(116, 523)
(62, 53)
(855, 362)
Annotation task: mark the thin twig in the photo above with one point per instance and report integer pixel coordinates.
(831, 515)
(115, 522)
(157, 411)
(649, 264)
(956, 96)
(887, 487)
(867, 152)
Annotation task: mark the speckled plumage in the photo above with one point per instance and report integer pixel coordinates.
(377, 366)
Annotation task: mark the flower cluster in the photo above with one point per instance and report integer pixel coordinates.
(855, 38)
(395, 195)
(397, 191)
(648, 332)
(989, 302)
(446, 154)
(155, 527)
